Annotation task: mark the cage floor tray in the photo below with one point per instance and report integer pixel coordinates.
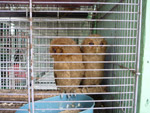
(84, 102)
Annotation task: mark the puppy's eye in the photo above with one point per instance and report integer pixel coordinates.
(101, 43)
(91, 43)
(54, 50)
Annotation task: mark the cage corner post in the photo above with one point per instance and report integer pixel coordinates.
(32, 56)
(144, 92)
(138, 43)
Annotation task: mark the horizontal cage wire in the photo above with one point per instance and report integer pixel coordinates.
(65, 56)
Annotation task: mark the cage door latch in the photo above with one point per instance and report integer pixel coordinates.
(138, 74)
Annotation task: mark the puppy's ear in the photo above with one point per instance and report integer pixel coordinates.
(103, 42)
(81, 49)
(85, 42)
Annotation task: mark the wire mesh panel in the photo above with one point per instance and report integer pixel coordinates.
(13, 62)
(77, 56)
(13, 55)
(125, 41)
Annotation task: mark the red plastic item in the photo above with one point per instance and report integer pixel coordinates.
(17, 73)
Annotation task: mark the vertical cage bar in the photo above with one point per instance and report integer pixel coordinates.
(119, 57)
(28, 79)
(130, 41)
(0, 58)
(138, 43)
(123, 57)
(127, 57)
(132, 58)
(32, 58)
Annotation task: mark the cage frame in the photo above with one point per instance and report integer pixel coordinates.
(30, 47)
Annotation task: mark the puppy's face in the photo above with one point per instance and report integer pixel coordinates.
(56, 49)
(91, 45)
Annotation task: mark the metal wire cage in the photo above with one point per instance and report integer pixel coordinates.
(28, 69)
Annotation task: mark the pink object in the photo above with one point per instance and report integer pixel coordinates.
(17, 73)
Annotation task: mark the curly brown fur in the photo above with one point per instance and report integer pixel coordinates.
(93, 49)
(67, 66)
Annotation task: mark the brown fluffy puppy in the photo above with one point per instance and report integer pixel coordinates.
(67, 66)
(93, 49)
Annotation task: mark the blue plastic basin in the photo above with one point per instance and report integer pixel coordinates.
(58, 106)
